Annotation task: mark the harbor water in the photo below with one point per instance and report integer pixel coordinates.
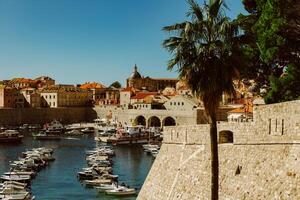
(58, 181)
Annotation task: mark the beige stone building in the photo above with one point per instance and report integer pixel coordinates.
(103, 95)
(181, 102)
(22, 83)
(44, 81)
(65, 96)
(151, 84)
(125, 96)
(32, 97)
(10, 97)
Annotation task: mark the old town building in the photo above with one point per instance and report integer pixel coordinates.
(65, 96)
(103, 95)
(44, 81)
(151, 84)
(32, 97)
(11, 98)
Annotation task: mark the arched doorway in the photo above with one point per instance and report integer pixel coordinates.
(154, 122)
(169, 121)
(140, 120)
(225, 136)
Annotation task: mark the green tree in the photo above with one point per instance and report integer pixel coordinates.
(116, 84)
(274, 32)
(206, 52)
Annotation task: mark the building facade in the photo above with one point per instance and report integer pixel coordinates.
(151, 84)
(11, 98)
(60, 96)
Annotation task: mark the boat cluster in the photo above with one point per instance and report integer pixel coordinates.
(152, 149)
(10, 136)
(99, 173)
(116, 134)
(16, 183)
(55, 131)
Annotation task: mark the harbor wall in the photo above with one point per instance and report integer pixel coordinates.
(181, 117)
(42, 115)
(261, 162)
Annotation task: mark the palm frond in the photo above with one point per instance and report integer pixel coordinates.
(195, 11)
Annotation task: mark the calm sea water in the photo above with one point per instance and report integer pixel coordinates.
(59, 181)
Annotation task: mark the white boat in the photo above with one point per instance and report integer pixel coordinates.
(88, 130)
(97, 182)
(18, 178)
(73, 132)
(134, 130)
(105, 187)
(121, 191)
(20, 173)
(148, 146)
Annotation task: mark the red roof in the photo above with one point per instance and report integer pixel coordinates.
(242, 110)
(93, 85)
(142, 95)
(128, 89)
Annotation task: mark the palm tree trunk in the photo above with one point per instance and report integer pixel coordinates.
(214, 158)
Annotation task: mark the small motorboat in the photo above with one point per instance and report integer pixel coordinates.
(73, 132)
(121, 191)
(17, 178)
(105, 187)
(88, 130)
(46, 135)
(97, 182)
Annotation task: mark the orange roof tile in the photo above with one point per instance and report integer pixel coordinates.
(93, 85)
(128, 89)
(142, 95)
(242, 110)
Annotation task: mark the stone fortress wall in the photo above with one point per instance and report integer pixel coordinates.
(181, 117)
(262, 162)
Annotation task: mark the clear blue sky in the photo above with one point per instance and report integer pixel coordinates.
(75, 41)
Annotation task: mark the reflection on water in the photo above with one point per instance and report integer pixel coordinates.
(58, 181)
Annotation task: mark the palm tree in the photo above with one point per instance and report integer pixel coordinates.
(207, 55)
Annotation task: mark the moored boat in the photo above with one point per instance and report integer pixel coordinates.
(88, 130)
(46, 135)
(11, 136)
(121, 191)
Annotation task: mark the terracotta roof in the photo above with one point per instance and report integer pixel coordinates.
(183, 87)
(242, 110)
(128, 89)
(28, 88)
(22, 80)
(169, 79)
(93, 85)
(142, 95)
(58, 88)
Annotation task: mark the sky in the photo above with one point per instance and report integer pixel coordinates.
(75, 41)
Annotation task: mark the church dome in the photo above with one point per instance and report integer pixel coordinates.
(135, 74)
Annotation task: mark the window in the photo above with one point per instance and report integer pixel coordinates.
(171, 103)
(182, 103)
(53, 103)
(53, 96)
(46, 96)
